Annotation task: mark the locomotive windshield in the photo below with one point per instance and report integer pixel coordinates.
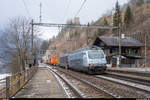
(95, 54)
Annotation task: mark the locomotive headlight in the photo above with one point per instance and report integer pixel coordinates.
(103, 65)
(91, 64)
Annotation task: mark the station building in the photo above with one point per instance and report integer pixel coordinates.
(130, 50)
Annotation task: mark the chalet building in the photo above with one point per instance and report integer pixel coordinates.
(130, 50)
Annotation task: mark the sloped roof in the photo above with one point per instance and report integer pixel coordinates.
(127, 41)
(89, 47)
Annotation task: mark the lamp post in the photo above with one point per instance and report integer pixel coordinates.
(32, 32)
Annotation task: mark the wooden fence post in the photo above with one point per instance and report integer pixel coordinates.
(18, 80)
(7, 86)
(24, 76)
(29, 74)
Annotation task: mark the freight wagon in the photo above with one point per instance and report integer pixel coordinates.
(53, 61)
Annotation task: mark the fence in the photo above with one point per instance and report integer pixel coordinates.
(12, 84)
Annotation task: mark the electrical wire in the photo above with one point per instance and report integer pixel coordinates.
(80, 8)
(26, 8)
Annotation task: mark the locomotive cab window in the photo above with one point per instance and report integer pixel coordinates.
(84, 54)
(95, 54)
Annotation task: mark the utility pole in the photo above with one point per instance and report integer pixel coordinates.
(40, 12)
(145, 49)
(87, 35)
(70, 38)
(32, 28)
(119, 32)
(112, 18)
(32, 32)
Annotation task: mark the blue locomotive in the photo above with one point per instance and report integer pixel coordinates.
(90, 59)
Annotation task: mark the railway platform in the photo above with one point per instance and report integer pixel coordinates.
(42, 85)
(130, 70)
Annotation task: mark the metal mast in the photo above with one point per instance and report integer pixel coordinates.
(145, 49)
(40, 12)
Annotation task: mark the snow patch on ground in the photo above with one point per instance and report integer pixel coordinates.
(41, 65)
(66, 89)
(2, 76)
(62, 84)
(136, 85)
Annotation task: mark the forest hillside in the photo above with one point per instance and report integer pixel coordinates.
(70, 39)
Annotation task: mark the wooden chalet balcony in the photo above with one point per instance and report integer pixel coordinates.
(131, 55)
(113, 54)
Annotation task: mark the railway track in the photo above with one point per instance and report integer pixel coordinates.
(116, 89)
(84, 88)
(137, 73)
(72, 91)
(136, 86)
(144, 80)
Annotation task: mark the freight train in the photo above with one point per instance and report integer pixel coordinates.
(90, 59)
(53, 61)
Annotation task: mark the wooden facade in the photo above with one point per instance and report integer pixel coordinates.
(130, 50)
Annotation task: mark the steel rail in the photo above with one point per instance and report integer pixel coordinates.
(131, 78)
(126, 83)
(74, 90)
(130, 72)
(92, 85)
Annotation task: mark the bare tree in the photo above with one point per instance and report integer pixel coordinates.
(16, 43)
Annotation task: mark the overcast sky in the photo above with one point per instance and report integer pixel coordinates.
(54, 11)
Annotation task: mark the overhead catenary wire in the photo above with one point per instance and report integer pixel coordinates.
(26, 8)
(80, 8)
(75, 25)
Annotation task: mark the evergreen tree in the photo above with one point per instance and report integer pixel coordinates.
(105, 22)
(117, 16)
(101, 32)
(127, 16)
